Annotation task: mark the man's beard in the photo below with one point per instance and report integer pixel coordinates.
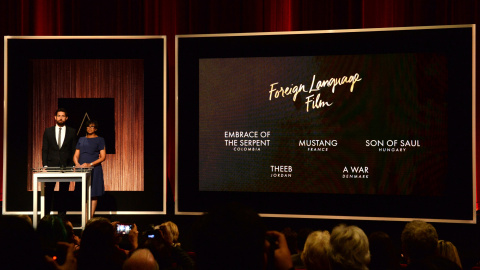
(61, 123)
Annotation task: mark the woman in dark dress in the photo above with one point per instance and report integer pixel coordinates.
(91, 153)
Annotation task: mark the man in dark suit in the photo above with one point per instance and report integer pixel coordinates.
(59, 143)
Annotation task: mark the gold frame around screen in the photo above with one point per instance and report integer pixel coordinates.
(472, 26)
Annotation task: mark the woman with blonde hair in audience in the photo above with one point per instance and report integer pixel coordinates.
(447, 250)
(173, 228)
(315, 252)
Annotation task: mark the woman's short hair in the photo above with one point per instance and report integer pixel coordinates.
(349, 248)
(315, 251)
(89, 122)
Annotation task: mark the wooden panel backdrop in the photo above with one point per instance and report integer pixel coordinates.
(121, 79)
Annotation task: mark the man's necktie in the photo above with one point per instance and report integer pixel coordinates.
(59, 142)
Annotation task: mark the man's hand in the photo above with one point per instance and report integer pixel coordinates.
(133, 237)
(283, 259)
(70, 260)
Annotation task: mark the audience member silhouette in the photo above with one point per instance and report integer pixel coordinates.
(169, 255)
(230, 237)
(349, 248)
(315, 251)
(141, 259)
(71, 236)
(20, 247)
(383, 254)
(50, 231)
(234, 237)
(98, 248)
(419, 244)
(27, 218)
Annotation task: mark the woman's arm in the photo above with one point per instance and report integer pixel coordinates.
(75, 157)
(101, 158)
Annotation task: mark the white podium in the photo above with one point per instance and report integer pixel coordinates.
(67, 174)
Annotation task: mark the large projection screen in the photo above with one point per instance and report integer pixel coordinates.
(120, 81)
(373, 124)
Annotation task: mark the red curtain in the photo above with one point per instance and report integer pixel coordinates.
(172, 17)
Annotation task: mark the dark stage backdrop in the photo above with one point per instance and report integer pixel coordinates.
(172, 17)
